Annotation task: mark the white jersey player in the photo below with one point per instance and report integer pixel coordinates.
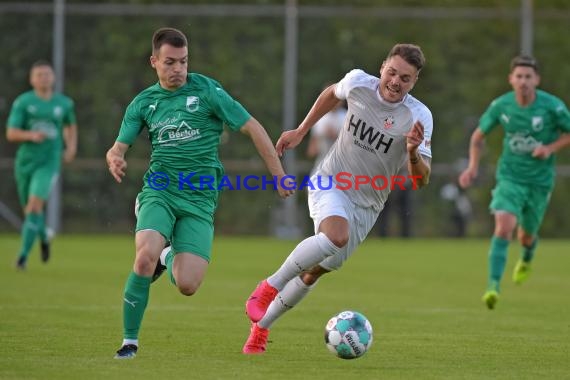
(373, 139)
(385, 129)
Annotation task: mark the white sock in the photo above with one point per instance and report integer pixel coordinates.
(306, 254)
(131, 341)
(291, 295)
(163, 254)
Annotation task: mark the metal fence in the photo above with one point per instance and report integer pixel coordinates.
(315, 44)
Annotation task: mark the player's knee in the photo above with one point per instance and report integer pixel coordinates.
(503, 233)
(144, 265)
(32, 209)
(187, 291)
(187, 288)
(312, 276)
(339, 240)
(35, 206)
(309, 279)
(526, 239)
(145, 261)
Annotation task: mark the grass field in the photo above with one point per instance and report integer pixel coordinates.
(63, 320)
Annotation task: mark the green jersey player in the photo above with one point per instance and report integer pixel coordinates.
(536, 125)
(43, 123)
(184, 114)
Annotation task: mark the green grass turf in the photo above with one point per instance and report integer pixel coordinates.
(423, 297)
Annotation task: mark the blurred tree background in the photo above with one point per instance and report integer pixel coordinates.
(468, 45)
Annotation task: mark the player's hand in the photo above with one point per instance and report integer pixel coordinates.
(288, 140)
(466, 177)
(69, 155)
(285, 186)
(542, 152)
(37, 136)
(117, 165)
(414, 137)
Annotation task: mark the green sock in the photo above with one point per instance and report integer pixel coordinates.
(42, 233)
(29, 233)
(134, 304)
(168, 260)
(497, 261)
(527, 253)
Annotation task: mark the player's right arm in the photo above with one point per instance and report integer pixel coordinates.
(476, 144)
(131, 126)
(488, 122)
(116, 160)
(326, 101)
(16, 135)
(16, 120)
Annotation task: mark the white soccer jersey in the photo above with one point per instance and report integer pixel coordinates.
(372, 141)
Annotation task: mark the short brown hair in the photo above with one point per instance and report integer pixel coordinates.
(168, 36)
(524, 60)
(41, 63)
(410, 53)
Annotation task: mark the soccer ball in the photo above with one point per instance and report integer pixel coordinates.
(348, 335)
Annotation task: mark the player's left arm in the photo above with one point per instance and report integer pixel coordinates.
(233, 115)
(418, 145)
(419, 166)
(264, 146)
(70, 139)
(562, 117)
(69, 132)
(545, 151)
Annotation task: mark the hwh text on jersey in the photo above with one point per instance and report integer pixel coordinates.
(368, 134)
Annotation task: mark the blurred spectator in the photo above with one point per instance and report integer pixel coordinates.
(399, 203)
(461, 210)
(324, 133)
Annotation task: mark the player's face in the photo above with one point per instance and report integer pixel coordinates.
(397, 78)
(524, 80)
(42, 78)
(171, 64)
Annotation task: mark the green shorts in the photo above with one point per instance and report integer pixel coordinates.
(528, 203)
(188, 225)
(35, 181)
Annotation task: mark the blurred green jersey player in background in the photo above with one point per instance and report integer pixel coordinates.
(536, 125)
(43, 123)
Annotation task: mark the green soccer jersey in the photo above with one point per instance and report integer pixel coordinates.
(525, 128)
(184, 128)
(32, 113)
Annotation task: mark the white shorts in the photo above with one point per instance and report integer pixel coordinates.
(335, 202)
